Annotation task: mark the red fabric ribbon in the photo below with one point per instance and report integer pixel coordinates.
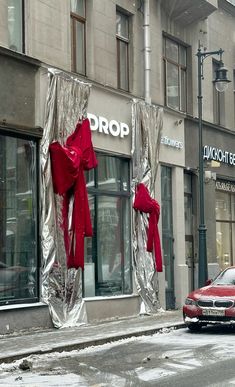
(68, 163)
(144, 203)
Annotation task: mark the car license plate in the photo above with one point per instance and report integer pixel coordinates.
(213, 312)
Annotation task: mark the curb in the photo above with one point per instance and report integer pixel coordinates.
(89, 343)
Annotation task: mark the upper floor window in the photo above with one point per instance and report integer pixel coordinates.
(13, 9)
(78, 35)
(218, 100)
(175, 66)
(122, 35)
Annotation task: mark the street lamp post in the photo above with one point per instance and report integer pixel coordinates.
(221, 83)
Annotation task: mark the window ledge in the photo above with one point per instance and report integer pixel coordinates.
(22, 306)
(102, 298)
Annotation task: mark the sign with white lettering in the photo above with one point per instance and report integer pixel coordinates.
(213, 153)
(227, 186)
(171, 142)
(112, 127)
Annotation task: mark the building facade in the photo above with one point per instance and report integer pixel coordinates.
(103, 43)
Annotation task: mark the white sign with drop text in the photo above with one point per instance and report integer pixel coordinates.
(112, 127)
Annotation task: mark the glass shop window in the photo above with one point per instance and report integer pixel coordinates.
(12, 12)
(122, 37)
(108, 253)
(18, 220)
(78, 35)
(175, 68)
(225, 227)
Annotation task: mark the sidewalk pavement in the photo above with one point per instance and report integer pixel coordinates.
(17, 346)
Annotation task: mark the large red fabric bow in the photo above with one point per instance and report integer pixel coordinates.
(68, 163)
(144, 203)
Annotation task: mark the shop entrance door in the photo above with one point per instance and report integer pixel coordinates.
(169, 270)
(167, 235)
(189, 254)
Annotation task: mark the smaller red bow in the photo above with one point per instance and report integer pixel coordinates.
(144, 203)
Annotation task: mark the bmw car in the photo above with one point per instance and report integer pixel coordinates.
(213, 303)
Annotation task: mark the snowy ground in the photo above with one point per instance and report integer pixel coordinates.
(146, 360)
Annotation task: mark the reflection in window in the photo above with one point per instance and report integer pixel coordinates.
(18, 260)
(175, 65)
(15, 24)
(78, 31)
(108, 252)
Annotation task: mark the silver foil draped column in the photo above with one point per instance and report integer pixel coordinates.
(67, 100)
(147, 121)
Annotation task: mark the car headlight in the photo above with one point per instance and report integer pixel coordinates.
(190, 301)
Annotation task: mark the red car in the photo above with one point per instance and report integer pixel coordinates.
(212, 304)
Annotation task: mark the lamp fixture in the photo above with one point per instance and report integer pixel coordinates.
(221, 81)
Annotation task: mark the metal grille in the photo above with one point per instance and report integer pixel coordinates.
(215, 303)
(224, 303)
(205, 303)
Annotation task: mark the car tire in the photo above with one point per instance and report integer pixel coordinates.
(194, 327)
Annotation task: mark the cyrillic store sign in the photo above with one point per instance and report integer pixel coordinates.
(217, 154)
(226, 186)
(112, 127)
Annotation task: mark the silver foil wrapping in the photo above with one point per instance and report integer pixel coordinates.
(147, 121)
(67, 100)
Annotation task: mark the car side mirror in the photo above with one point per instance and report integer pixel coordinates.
(208, 282)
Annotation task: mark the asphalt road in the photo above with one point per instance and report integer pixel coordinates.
(175, 358)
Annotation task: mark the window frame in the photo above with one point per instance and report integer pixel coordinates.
(76, 18)
(180, 68)
(119, 40)
(14, 133)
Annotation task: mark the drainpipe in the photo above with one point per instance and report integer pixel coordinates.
(147, 51)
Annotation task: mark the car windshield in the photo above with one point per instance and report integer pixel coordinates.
(227, 277)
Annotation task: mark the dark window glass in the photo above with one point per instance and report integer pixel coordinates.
(175, 63)
(122, 35)
(18, 220)
(78, 37)
(78, 7)
(108, 252)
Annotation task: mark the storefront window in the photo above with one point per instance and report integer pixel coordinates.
(108, 252)
(225, 224)
(18, 220)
